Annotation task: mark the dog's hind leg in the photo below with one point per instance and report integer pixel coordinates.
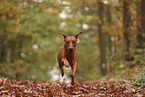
(72, 80)
(62, 72)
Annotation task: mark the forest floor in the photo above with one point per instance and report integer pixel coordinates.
(130, 84)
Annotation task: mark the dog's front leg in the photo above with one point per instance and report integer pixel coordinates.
(65, 62)
(73, 73)
(73, 69)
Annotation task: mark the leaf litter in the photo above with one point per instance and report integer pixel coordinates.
(13, 88)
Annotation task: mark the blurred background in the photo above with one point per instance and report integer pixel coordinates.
(113, 39)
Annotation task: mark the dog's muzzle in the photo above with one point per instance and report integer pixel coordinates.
(71, 49)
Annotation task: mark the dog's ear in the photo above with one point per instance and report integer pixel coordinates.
(63, 35)
(76, 36)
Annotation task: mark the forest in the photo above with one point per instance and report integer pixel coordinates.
(110, 50)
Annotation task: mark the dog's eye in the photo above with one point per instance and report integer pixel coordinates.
(74, 42)
(67, 42)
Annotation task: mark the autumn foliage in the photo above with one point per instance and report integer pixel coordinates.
(111, 50)
(38, 88)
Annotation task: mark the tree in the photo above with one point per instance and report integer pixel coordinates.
(109, 20)
(141, 24)
(102, 42)
(126, 20)
(27, 30)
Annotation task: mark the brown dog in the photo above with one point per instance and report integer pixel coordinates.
(68, 54)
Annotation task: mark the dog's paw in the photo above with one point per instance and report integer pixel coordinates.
(62, 75)
(67, 66)
(71, 75)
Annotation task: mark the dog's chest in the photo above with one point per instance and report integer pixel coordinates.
(70, 59)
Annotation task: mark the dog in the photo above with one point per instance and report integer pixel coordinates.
(67, 55)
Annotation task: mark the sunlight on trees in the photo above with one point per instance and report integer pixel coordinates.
(29, 37)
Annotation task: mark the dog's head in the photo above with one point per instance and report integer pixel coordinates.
(70, 41)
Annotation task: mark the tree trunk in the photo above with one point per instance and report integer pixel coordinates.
(2, 56)
(109, 19)
(102, 41)
(108, 36)
(2, 50)
(141, 24)
(126, 20)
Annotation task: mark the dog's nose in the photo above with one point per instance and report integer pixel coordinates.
(70, 49)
